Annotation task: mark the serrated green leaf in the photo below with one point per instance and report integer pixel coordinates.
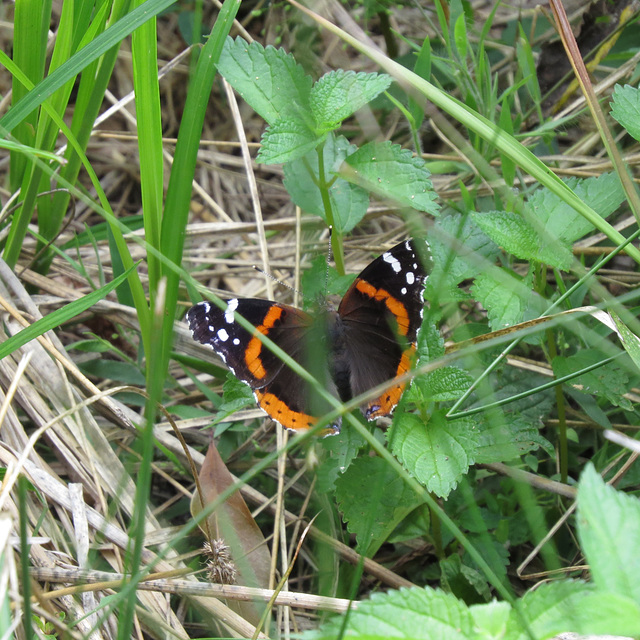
(609, 533)
(444, 384)
(491, 619)
(561, 221)
(550, 609)
(340, 450)
(373, 500)
(430, 342)
(339, 94)
(505, 440)
(392, 173)
(516, 236)
(236, 395)
(438, 453)
(286, 140)
(457, 245)
(416, 613)
(505, 297)
(269, 80)
(609, 381)
(607, 616)
(625, 108)
(349, 202)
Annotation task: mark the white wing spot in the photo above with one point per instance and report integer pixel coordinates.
(232, 305)
(222, 334)
(411, 277)
(403, 291)
(206, 306)
(236, 341)
(394, 262)
(407, 246)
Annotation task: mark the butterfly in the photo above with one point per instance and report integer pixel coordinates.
(369, 340)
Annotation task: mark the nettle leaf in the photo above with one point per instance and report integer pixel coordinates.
(430, 342)
(373, 500)
(392, 173)
(458, 246)
(506, 297)
(236, 395)
(559, 220)
(609, 532)
(286, 140)
(491, 618)
(339, 94)
(416, 613)
(438, 453)
(550, 609)
(516, 236)
(444, 384)
(340, 450)
(609, 381)
(502, 440)
(269, 80)
(625, 108)
(349, 202)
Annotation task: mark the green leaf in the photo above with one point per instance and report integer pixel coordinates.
(269, 80)
(349, 202)
(392, 173)
(516, 236)
(416, 613)
(609, 381)
(550, 609)
(236, 395)
(430, 342)
(506, 439)
(373, 500)
(340, 451)
(625, 108)
(491, 619)
(438, 453)
(444, 384)
(505, 297)
(286, 140)
(458, 246)
(339, 94)
(609, 532)
(60, 316)
(559, 220)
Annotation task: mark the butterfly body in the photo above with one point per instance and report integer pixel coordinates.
(369, 340)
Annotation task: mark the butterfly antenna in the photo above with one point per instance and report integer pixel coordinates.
(329, 258)
(276, 280)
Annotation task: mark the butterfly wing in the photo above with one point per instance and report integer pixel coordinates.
(281, 392)
(381, 314)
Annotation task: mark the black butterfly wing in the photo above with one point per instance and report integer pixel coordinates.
(281, 392)
(381, 314)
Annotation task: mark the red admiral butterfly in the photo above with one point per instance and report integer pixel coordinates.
(369, 340)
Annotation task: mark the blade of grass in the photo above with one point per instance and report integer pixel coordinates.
(81, 59)
(59, 316)
(30, 29)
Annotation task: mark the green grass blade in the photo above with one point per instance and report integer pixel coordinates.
(147, 96)
(60, 316)
(105, 41)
